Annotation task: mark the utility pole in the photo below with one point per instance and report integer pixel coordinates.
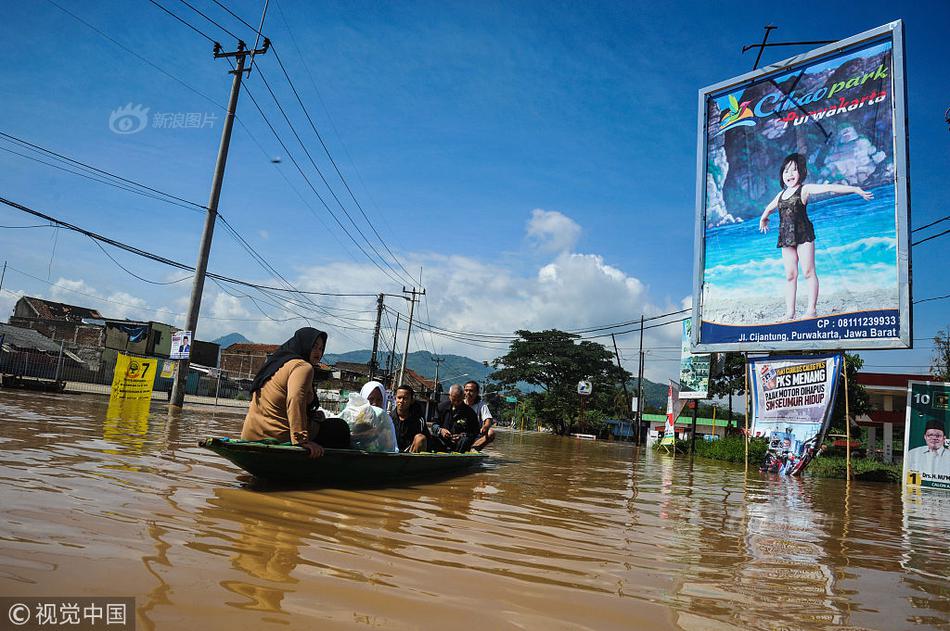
(197, 288)
(640, 385)
(412, 305)
(438, 364)
(623, 382)
(390, 369)
(3, 274)
(373, 364)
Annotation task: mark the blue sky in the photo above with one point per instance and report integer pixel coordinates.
(536, 159)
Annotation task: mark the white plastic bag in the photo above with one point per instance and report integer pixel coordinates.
(371, 429)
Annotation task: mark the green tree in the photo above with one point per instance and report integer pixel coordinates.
(940, 365)
(858, 400)
(555, 361)
(731, 381)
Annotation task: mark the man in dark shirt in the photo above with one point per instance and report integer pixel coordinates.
(412, 433)
(457, 426)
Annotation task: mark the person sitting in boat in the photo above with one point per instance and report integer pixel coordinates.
(473, 400)
(282, 393)
(457, 426)
(371, 427)
(412, 432)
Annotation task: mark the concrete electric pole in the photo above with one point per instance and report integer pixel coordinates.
(197, 287)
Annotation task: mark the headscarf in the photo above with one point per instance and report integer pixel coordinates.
(297, 347)
(373, 385)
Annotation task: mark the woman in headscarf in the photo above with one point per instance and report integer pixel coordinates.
(375, 393)
(374, 432)
(282, 393)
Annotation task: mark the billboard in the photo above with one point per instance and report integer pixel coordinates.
(694, 368)
(133, 378)
(793, 398)
(802, 203)
(926, 448)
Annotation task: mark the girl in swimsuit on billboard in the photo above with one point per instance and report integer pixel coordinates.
(796, 235)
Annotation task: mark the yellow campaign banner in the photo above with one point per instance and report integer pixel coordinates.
(133, 378)
(168, 369)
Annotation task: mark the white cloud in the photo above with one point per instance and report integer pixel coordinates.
(552, 231)
(568, 290)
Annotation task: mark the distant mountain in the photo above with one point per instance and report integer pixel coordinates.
(454, 369)
(458, 369)
(231, 338)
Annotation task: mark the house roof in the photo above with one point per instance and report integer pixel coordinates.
(413, 377)
(48, 310)
(252, 348)
(14, 336)
(27, 338)
(356, 367)
(889, 379)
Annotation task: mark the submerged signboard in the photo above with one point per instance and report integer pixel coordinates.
(793, 398)
(802, 203)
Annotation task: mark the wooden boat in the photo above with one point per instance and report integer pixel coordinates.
(282, 462)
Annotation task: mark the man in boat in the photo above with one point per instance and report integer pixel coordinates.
(473, 400)
(412, 432)
(456, 427)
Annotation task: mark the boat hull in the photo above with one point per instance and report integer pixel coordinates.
(285, 463)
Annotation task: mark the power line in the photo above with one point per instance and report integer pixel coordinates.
(326, 150)
(944, 297)
(326, 110)
(326, 183)
(133, 185)
(158, 258)
(136, 55)
(238, 18)
(934, 236)
(205, 16)
(146, 308)
(250, 95)
(932, 223)
(186, 23)
(131, 273)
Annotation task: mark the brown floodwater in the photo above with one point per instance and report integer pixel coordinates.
(553, 533)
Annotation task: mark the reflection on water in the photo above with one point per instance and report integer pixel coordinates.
(553, 533)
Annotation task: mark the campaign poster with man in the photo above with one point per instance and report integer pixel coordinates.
(793, 398)
(802, 203)
(926, 444)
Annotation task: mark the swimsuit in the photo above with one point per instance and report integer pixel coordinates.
(794, 226)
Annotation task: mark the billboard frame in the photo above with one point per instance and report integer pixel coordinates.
(905, 336)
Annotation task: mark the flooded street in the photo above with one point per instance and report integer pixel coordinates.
(553, 533)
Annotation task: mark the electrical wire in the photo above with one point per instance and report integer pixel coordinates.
(312, 188)
(944, 297)
(205, 16)
(138, 56)
(186, 23)
(339, 173)
(932, 223)
(158, 258)
(326, 110)
(933, 236)
(326, 183)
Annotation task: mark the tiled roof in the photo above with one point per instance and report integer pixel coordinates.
(48, 310)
